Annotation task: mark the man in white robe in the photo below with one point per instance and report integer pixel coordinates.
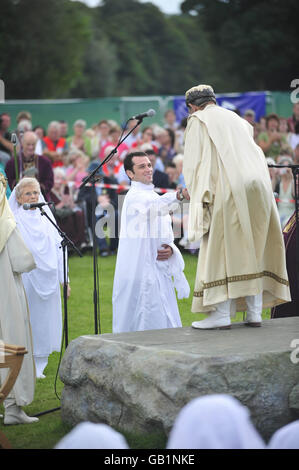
(241, 263)
(148, 264)
(42, 285)
(15, 259)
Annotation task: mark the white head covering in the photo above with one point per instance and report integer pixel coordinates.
(43, 240)
(92, 436)
(214, 422)
(7, 220)
(286, 437)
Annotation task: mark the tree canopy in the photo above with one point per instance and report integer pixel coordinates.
(62, 48)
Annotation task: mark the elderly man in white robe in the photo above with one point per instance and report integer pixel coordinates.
(15, 259)
(42, 285)
(149, 267)
(241, 263)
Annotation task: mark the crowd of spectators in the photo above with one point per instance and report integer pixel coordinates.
(61, 157)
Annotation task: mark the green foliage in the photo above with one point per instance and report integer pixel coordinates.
(62, 48)
(41, 47)
(254, 41)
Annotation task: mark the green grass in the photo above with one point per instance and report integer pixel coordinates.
(50, 428)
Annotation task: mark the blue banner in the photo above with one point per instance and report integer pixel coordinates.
(234, 101)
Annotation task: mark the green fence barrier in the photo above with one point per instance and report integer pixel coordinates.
(117, 109)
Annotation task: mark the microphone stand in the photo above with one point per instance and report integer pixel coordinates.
(295, 171)
(93, 178)
(64, 244)
(14, 143)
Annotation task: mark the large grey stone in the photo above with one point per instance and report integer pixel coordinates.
(139, 381)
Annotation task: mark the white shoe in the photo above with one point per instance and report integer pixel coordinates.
(41, 376)
(214, 321)
(254, 310)
(15, 415)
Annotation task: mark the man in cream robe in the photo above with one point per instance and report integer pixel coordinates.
(241, 263)
(15, 259)
(148, 265)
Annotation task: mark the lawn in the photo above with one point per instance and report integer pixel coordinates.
(46, 433)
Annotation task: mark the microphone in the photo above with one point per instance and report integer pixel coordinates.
(28, 206)
(149, 113)
(14, 139)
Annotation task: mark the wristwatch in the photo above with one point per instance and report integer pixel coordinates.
(181, 196)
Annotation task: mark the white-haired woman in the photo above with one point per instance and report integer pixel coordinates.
(42, 285)
(79, 140)
(285, 190)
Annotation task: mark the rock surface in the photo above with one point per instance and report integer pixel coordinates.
(139, 381)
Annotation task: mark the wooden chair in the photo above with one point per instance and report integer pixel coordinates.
(11, 357)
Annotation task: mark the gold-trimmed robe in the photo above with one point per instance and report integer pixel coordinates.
(233, 213)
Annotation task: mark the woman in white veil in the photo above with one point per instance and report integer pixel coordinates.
(42, 285)
(214, 422)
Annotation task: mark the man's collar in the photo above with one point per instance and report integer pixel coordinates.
(139, 185)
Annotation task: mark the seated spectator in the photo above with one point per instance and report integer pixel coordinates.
(274, 173)
(92, 436)
(170, 120)
(24, 115)
(92, 135)
(214, 422)
(160, 178)
(178, 161)
(271, 141)
(55, 145)
(78, 170)
(171, 171)
(108, 203)
(294, 137)
(285, 190)
(296, 155)
(286, 437)
(262, 124)
(147, 137)
(112, 166)
(180, 132)
(114, 135)
(31, 165)
(69, 216)
(166, 139)
(294, 118)
(64, 128)
(6, 147)
(249, 116)
(102, 132)
(106, 211)
(40, 145)
(284, 129)
(79, 141)
(135, 134)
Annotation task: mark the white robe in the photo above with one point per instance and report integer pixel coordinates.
(15, 259)
(42, 285)
(143, 291)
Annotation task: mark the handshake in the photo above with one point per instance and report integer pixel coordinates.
(182, 194)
